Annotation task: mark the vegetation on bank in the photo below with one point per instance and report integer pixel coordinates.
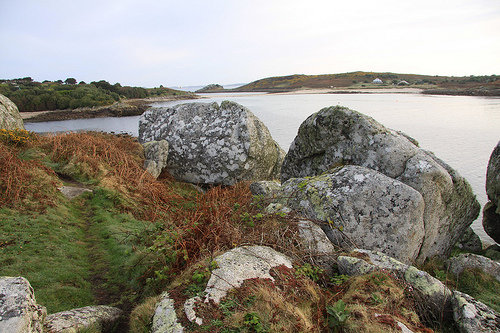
(365, 80)
(134, 237)
(30, 95)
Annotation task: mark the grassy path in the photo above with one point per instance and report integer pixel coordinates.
(77, 254)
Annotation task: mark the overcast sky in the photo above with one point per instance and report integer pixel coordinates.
(184, 42)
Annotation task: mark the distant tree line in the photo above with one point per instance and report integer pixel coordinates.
(30, 95)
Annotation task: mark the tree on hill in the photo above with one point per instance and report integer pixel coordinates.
(70, 80)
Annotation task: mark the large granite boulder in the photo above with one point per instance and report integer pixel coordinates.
(491, 211)
(9, 115)
(212, 144)
(100, 317)
(19, 312)
(362, 208)
(337, 136)
(234, 267)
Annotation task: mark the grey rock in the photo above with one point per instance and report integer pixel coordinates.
(156, 155)
(317, 246)
(374, 211)
(71, 321)
(470, 241)
(434, 294)
(234, 267)
(165, 318)
(212, 144)
(337, 136)
(470, 261)
(19, 312)
(473, 316)
(491, 211)
(265, 188)
(491, 221)
(493, 176)
(71, 192)
(9, 115)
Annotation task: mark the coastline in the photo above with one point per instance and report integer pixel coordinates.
(125, 108)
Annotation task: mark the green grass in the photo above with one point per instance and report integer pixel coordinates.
(481, 286)
(64, 251)
(48, 250)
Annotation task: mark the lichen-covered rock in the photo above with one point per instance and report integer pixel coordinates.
(491, 211)
(468, 260)
(473, 316)
(71, 321)
(234, 267)
(435, 295)
(19, 312)
(470, 241)
(9, 115)
(156, 155)
(265, 188)
(212, 144)
(165, 318)
(338, 136)
(367, 208)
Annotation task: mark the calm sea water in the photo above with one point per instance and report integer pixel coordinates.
(461, 130)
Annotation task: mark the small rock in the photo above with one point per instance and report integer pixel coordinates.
(71, 192)
(156, 155)
(473, 316)
(265, 188)
(317, 245)
(72, 321)
(468, 260)
(19, 312)
(165, 318)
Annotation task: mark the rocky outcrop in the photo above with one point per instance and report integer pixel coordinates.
(165, 318)
(19, 312)
(234, 267)
(434, 294)
(214, 87)
(362, 208)
(473, 261)
(265, 188)
(97, 316)
(212, 144)
(337, 136)
(155, 154)
(491, 211)
(9, 115)
(473, 316)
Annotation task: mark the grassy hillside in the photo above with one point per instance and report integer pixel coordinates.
(364, 80)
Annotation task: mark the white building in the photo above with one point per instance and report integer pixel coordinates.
(377, 81)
